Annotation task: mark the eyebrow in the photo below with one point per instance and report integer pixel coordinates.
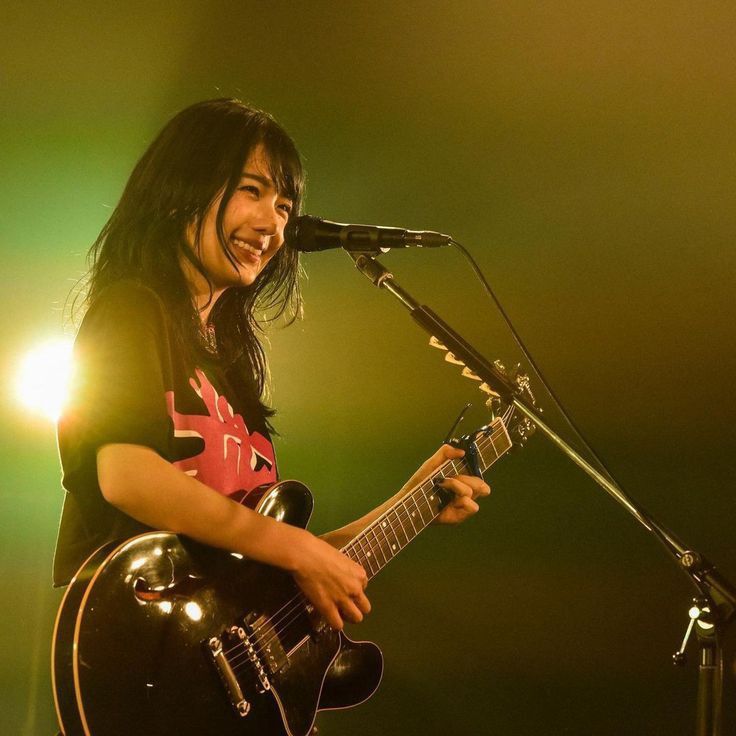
(262, 179)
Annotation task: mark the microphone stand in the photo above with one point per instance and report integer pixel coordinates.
(713, 606)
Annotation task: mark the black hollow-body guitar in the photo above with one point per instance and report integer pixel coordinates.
(161, 636)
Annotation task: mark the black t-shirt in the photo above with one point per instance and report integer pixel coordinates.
(133, 385)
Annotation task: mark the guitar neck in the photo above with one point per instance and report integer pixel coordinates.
(384, 538)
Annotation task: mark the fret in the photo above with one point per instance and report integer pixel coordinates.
(402, 538)
(349, 549)
(430, 494)
(411, 513)
(387, 536)
(377, 544)
(406, 520)
(368, 556)
(394, 539)
(380, 554)
(503, 441)
(426, 516)
(425, 503)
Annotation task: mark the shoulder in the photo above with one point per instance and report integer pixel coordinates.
(125, 308)
(127, 292)
(124, 300)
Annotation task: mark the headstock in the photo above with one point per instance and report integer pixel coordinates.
(520, 428)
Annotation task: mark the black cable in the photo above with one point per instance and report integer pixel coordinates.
(661, 533)
(537, 370)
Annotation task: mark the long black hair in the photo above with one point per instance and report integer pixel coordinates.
(199, 154)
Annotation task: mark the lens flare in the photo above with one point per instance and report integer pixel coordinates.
(44, 376)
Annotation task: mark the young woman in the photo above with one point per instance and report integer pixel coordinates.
(167, 427)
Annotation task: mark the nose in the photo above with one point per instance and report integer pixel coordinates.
(267, 220)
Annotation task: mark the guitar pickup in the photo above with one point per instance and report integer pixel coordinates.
(266, 641)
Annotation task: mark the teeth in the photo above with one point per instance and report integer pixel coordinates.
(247, 247)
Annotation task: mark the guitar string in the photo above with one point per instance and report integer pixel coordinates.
(295, 606)
(289, 616)
(279, 626)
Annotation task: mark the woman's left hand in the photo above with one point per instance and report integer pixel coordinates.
(465, 488)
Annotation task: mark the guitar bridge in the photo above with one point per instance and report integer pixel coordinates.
(225, 670)
(227, 649)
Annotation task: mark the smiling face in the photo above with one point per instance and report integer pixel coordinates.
(253, 228)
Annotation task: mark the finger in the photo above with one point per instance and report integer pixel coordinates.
(332, 615)
(350, 611)
(484, 489)
(363, 603)
(457, 487)
(443, 453)
(362, 576)
(466, 505)
(477, 485)
(450, 451)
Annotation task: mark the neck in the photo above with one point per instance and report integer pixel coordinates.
(205, 297)
(383, 539)
(204, 303)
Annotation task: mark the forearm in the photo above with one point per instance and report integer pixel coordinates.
(340, 537)
(142, 484)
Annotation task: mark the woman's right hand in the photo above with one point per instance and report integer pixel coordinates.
(332, 582)
(143, 485)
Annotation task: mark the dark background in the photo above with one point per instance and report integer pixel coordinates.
(584, 152)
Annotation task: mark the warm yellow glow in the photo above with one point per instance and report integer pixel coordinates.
(42, 383)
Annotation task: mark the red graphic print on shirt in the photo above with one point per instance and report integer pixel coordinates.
(233, 459)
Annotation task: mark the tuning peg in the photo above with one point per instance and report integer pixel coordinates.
(450, 358)
(523, 431)
(435, 343)
(486, 389)
(469, 374)
(515, 372)
(493, 404)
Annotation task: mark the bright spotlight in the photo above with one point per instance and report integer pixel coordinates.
(43, 378)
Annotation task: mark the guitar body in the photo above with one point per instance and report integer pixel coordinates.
(161, 636)
(138, 632)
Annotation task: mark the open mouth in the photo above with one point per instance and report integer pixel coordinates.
(244, 251)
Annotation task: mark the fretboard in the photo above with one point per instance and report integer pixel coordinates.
(382, 540)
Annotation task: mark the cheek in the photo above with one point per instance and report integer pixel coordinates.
(265, 261)
(273, 251)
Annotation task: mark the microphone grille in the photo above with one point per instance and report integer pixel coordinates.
(300, 232)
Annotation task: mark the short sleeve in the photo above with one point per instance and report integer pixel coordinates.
(122, 364)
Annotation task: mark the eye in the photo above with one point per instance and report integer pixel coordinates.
(250, 188)
(286, 207)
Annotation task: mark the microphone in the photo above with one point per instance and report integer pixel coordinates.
(309, 234)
